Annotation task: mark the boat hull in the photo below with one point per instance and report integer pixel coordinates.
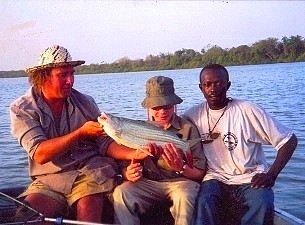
(8, 210)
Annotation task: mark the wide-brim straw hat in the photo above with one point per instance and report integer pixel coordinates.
(54, 56)
(160, 91)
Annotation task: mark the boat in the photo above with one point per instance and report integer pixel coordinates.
(8, 206)
(284, 218)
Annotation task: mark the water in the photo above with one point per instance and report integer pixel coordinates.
(279, 88)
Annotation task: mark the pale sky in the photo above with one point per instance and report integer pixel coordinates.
(97, 31)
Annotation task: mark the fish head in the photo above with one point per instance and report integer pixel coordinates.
(111, 124)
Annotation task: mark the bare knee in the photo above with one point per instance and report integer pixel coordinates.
(44, 204)
(89, 208)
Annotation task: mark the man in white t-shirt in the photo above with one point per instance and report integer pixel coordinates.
(233, 133)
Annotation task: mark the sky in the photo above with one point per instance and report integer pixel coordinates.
(105, 31)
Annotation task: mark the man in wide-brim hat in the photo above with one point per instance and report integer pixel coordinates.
(55, 56)
(52, 57)
(67, 155)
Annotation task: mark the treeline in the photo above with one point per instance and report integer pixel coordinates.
(271, 50)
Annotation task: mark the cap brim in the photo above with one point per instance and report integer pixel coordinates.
(151, 102)
(31, 70)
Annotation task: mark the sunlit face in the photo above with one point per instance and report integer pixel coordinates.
(162, 114)
(214, 85)
(59, 83)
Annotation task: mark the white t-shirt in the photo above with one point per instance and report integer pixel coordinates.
(237, 154)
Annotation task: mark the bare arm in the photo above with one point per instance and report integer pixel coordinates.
(51, 148)
(122, 152)
(283, 156)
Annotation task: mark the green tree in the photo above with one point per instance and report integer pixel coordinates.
(293, 47)
(266, 51)
(214, 55)
(240, 55)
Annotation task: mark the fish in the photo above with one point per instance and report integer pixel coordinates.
(137, 134)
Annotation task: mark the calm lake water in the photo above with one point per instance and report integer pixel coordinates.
(279, 88)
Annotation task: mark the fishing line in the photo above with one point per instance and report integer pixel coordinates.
(39, 218)
(42, 218)
(21, 203)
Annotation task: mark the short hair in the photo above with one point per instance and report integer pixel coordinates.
(37, 79)
(217, 67)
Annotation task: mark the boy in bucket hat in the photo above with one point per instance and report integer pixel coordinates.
(165, 177)
(67, 153)
(160, 92)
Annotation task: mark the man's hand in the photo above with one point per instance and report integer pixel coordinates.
(134, 171)
(91, 129)
(263, 180)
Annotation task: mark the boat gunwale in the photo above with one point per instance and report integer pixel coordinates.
(281, 217)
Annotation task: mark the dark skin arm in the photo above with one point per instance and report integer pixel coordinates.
(284, 154)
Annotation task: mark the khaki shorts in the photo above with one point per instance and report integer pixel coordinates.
(83, 186)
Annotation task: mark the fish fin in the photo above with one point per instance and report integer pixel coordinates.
(145, 150)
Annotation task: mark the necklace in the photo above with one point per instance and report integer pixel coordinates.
(211, 131)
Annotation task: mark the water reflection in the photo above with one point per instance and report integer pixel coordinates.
(279, 88)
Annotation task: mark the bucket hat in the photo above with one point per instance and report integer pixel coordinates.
(160, 91)
(54, 56)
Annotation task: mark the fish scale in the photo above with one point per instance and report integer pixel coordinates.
(141, 133)
(137, 134)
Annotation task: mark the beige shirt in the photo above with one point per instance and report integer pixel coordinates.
(32, 123)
